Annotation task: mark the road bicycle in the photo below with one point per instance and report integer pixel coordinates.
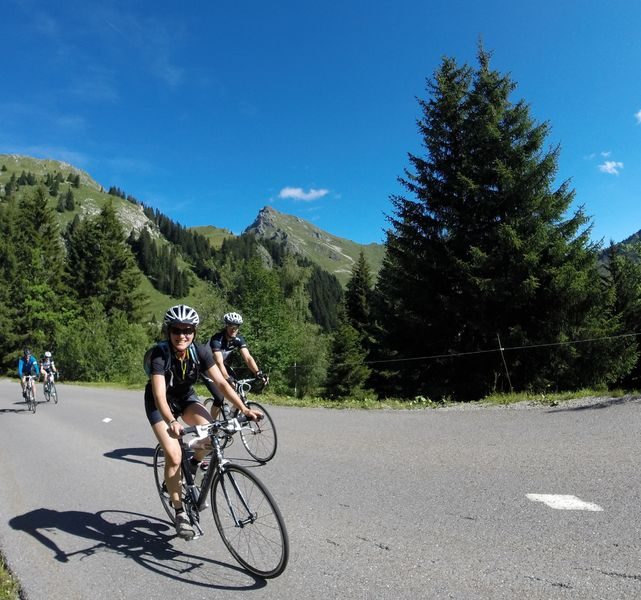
(50, 391)
(30, 393)
(246, 515)
(258, 437)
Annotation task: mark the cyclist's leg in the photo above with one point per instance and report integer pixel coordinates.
(173, 456)
(194, 413)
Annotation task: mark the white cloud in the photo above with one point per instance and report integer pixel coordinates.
(606, 153)
(638, 117)
(301, 194)
(611, 166)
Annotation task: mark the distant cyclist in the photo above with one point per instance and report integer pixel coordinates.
(174, 367)
(47, 368)
(27, 365)
(223, 344)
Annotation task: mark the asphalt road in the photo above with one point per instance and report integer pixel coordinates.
(379, 504)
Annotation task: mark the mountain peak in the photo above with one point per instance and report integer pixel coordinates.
(332, 253)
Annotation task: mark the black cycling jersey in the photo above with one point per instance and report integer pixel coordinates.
(181, 376)
(219, 342)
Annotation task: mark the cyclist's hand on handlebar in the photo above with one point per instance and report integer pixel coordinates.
(253, 415)
(175, 429)
(263, 377)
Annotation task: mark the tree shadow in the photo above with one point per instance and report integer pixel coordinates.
(599, 403)
(143, 538)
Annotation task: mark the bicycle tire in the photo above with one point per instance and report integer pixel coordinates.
(259, 437)
(159, 477)
(53, 393)
(47, 392)
(260, 543)
(32, 400)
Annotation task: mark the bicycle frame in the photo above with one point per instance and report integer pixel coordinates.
(207, 434)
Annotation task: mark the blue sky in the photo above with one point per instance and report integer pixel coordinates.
(211, 110)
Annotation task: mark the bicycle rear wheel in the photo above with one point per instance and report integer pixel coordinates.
(259, 437)
(159, 476)
(249, 521)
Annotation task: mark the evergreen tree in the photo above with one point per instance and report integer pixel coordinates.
(483, 247)
(358, 295)
(69, 200)
(624, 282)
(100, 265)
(348, 372)
(37, 281)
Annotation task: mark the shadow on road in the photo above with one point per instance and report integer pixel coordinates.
(22, 403)
(130, 454)
(145, 539)
(598, 403)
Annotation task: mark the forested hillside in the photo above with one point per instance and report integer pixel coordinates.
(100, 259)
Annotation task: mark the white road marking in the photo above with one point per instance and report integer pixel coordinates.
(106, 420)
(563, 502)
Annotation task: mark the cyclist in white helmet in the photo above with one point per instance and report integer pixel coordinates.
(224, 343)
(47, 368)
(174, 366)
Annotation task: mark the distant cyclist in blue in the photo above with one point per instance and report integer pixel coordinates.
(27, 365)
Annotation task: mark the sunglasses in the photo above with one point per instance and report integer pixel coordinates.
(182, 331)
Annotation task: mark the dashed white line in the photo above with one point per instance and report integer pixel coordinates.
(106, 420)
(563, 502)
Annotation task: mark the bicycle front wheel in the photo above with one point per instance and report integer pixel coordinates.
(159, 476)
(259, 437)
(249, 521)
(32, 401)
(47, 392)
(53, 393)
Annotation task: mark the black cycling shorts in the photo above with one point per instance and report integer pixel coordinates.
(176, 406)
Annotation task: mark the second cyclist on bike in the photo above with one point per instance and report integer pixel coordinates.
(47, 369)
(223, 344)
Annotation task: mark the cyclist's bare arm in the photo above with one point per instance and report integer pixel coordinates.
(159, 390)
(220, 363)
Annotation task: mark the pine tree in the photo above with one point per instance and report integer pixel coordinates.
(358, 295)
(69, 200)
(101, 265)
(349, 372)
(483, 248)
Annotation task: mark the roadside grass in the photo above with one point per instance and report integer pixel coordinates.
(9, 587)
(368, 401)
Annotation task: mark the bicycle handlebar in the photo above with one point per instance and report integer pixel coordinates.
(203, 431)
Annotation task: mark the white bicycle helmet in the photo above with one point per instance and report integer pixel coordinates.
(181, 313)
(47, 354)
(233, 318)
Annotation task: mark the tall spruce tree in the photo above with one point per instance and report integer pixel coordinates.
(358, 295)
(100, 264)
(482, 248)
